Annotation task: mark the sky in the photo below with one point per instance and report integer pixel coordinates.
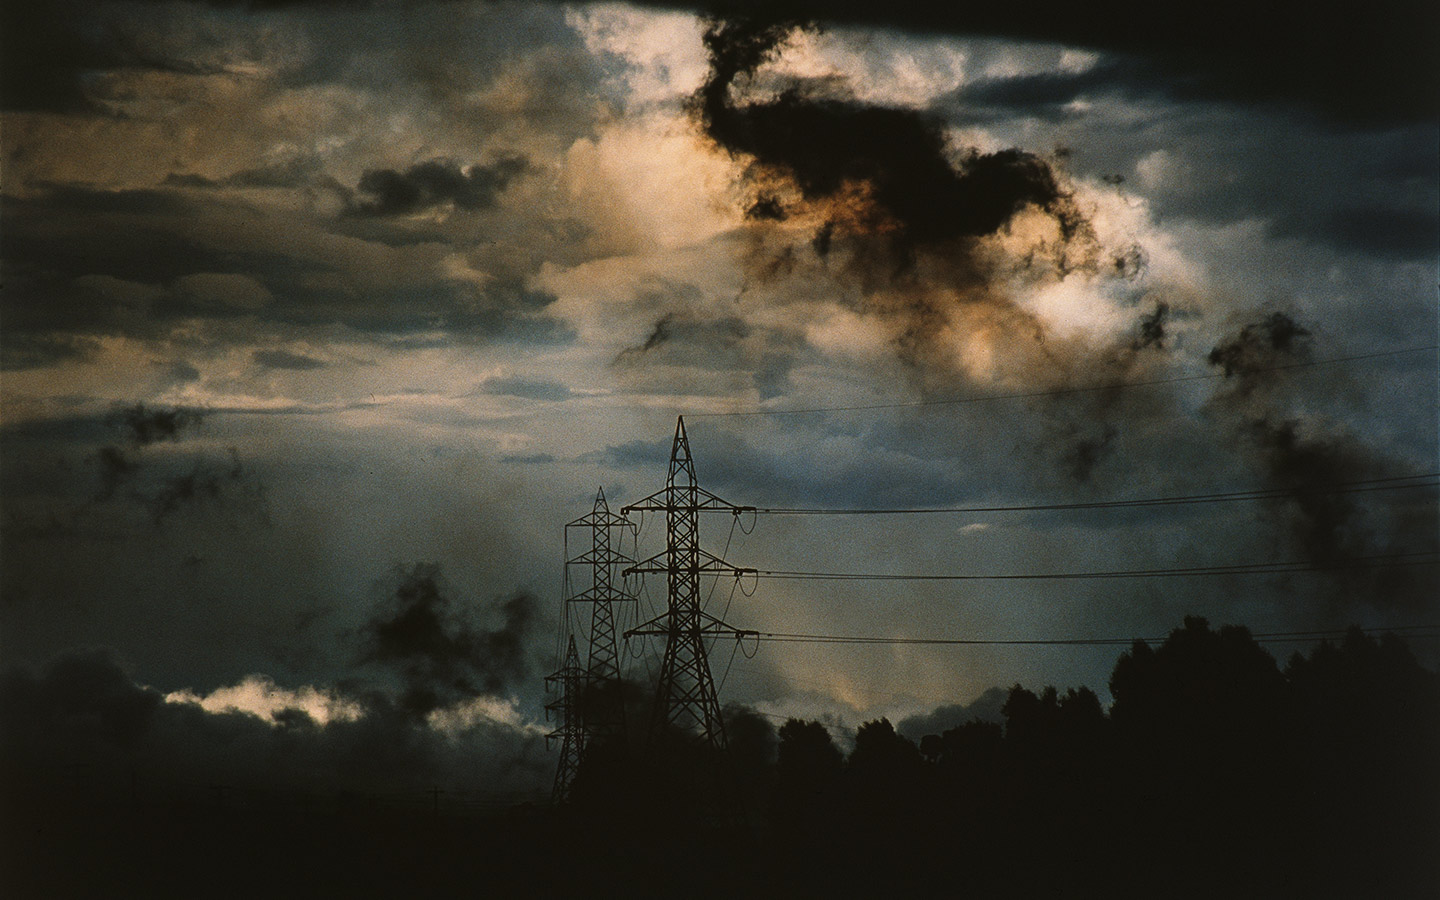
(321, 319)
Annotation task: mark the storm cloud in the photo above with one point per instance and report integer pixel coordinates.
(438, 654)
(871, 169)
(1308, 458)
(1371, 67)
(84, 713)
(433, 183)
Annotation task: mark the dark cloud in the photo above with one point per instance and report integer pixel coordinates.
(87, 200)
(438, 654)
(1083, 433)
(84, 262)
(1346, 193)
(1129, 262)
(1342, 532)
(207, 481)
(116, 467)
(872, 169)
(83, 699)
(132, 477)
(144, 425)
(1252, 354)
(32, 351)
(766, 207)
(1370, 67)
(932, 238)
(1375, 66)
(284, 359)
(750, 355)
(1151, 330)
(296, 172)
(1047, 95)
(47, 50)
(182, 372)
(985, 708)
(526, 388)
(83, 716)
(1308, 457)
(141, 426)
(635, 454)
(529, 459)
(435, 183)
(1384, 229)
(690, 334)
(1084, 447)
(664, 327)
(51, 52)
(87, 260)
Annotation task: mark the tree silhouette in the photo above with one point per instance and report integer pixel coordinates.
(1365, 718)
(1215, 772)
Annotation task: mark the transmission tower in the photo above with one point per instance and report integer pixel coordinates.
(571, 680)
(685, 698)
(603, 714)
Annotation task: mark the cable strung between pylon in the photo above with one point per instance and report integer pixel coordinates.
(1406, 631)
(1399, 482)
(1389, 561)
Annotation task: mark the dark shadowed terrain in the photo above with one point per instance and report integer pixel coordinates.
(1216, 772)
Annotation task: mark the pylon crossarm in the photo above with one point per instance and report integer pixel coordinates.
(727, 631)
(652, 565)
(661, 501)
(660, 625)
(594, 596)
(601, 520)
(655, 501)
(711, 565)
(591, 557)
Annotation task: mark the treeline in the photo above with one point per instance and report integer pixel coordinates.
(1216, 771)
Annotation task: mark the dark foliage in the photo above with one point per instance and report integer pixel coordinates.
(1216, 773)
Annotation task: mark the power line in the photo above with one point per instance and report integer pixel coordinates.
(1056, 392)
(1349, 487)
(1274, 637)
(1397, 560)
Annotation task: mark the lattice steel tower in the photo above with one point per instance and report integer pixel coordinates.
(571, 733)
(602, 710)
(685, 698)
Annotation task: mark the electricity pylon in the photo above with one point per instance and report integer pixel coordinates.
(571, 733)
(603, 714)
(685, 697)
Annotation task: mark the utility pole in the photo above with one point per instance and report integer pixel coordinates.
(685, 699)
